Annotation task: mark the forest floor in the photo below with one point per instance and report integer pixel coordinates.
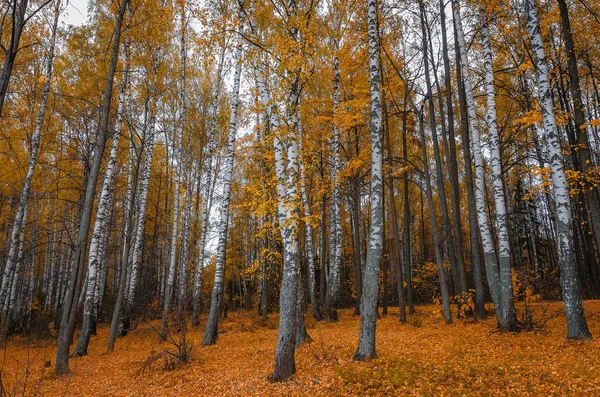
(421, 358)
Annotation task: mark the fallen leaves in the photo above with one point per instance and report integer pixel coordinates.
(421, 358)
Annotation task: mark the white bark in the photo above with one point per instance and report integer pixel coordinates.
(508, 317)
(177, 158)
(491, 263)
(368, 305)
(19, 221)
(576, 323)
(142, 207)
(210, 334)
(208, 189)
(335, 228)
(312, 285)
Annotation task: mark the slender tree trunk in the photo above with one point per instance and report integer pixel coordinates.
(210, 333)
(446, 227)
(583, 143)
(491, 263)
(17, 9)
(395, 230)
(100, 225)
(576, 323)
(177, 155)
(67, 324)
(312, 287)
(207, 195)
(335, 225)
(407, 221)
(357, 255)
(434, 231)
(19, 221)
(508, 318)
(140, 224)
(368, 308)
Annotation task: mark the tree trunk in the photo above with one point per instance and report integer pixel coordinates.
(20, 218)
(508, 319)
(576, 323)
(100, 225)
(210, 333)
(335, 220)
(67, 323)
(368, 308)
(491, 263)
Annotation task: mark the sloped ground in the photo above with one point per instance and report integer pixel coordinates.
(421, 358)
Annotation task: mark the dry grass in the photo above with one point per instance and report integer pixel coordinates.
(421, 358)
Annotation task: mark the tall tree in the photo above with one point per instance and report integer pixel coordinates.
(576, 323)
(370, 291)
(67, 324)
(210, 332)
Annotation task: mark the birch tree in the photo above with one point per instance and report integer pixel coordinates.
(576, 323)
(368, 306)
(497, 285)
(20, 218)
(101, 223)
(335, 227)
(67, 324)
(211, 330)
(508, 318)
(178, 136)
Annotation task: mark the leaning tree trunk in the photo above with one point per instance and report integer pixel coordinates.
(576, 323)
(583, 143)
(207, 193)
(140, 225)
(508, 319)
(368, 306)
(67, 324)
(19, 221)
(491, 263)
(210, 333)
(100, 225)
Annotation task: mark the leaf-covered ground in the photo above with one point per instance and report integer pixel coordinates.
(421, 358)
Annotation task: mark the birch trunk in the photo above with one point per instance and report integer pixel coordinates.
(285, 364)
(312, 286)
(140, 225)
(368, 307)
(335, 225)
(67, 325)
(207, 195)
(177, 157)
(19, 221)
(100, 225)
(508, 318)
(491, 263)
(211, 331)
(576, 322)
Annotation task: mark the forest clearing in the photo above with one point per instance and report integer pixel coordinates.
(423, 357)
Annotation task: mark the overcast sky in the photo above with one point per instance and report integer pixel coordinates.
(76, 12)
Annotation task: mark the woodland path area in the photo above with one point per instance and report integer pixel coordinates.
(421, 358)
